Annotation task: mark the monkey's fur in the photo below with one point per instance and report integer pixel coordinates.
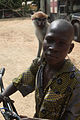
(40, 28)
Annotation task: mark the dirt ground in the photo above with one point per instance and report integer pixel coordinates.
(18, 47)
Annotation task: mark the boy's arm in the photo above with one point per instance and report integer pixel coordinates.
(26, 118)
(24, 82)
(33, 119)
(75, 103)
(73, 111)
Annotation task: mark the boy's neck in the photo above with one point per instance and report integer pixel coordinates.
(55, 67)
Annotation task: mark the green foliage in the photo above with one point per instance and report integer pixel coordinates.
(14, 4)
(10, 4)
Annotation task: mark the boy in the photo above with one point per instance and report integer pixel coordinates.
(55, 79)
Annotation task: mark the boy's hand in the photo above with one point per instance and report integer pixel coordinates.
(33, 119)
(4, 98)
(27, 118)
(22, 116)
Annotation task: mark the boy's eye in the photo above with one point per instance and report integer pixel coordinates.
(50, 40)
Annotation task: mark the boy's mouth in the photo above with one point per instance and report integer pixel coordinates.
(50, 54)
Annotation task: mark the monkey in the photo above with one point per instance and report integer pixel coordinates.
(41, 24)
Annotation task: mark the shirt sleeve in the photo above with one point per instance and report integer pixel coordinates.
(25, 82)
(73, 110)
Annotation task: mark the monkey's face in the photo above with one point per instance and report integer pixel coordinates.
(39, 19)
(40, 22)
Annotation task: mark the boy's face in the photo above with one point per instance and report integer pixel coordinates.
(56, 45)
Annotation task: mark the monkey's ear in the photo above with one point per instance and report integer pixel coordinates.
(32, 17)
(32, 13)
(48, 17)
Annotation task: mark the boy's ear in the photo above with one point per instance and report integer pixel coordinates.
(71, 48)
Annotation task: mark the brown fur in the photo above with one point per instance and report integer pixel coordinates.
(39, 14)
(40, 32)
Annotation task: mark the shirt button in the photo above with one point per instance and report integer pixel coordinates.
(57, 92)
(59, 81)
(43, 111)
(72, 76)
(68, 89)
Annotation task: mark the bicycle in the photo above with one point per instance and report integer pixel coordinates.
(8, 110)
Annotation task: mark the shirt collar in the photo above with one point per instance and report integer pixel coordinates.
(67, 67)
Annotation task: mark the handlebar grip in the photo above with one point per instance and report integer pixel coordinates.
(2, 70)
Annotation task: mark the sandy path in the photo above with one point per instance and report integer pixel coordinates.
(18, 46)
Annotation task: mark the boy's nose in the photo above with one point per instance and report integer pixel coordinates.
(51, 47)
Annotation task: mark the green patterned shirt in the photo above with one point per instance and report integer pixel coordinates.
(60, 100)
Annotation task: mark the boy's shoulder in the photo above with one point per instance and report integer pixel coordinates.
(75, 70)
(70, 69)
(76, 73)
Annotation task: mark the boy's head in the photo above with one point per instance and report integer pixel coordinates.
(58, 41)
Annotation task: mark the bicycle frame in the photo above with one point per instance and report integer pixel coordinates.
(8, 110)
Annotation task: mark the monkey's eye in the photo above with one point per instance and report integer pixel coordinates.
(40, 19)
(43, 19)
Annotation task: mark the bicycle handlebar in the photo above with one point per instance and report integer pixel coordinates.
(2, 71)
(9, 112)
